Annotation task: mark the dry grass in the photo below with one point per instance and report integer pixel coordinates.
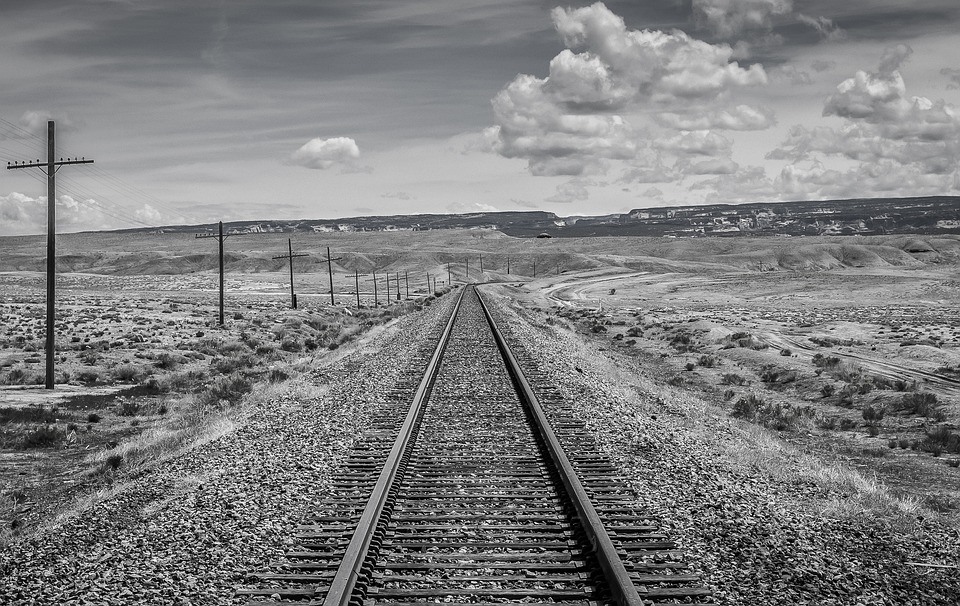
(754, 447)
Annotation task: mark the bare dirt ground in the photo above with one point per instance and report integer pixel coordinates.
(838, 357)
(841, 352)
(143, 369)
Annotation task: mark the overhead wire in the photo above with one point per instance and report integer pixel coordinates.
(103, 178)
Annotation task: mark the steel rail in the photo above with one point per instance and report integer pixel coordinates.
(344, 582)
(616, 575)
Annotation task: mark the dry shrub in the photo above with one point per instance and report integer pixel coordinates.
(226, 389)
(128, 373)
(43, 437)
(923, 404)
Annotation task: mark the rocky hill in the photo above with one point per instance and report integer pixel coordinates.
(869, 216)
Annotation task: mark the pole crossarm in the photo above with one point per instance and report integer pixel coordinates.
(50, 169)
(42, 165)
(220, 236)
(293, 256)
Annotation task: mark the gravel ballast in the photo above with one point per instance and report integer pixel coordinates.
(191, 530)
(758, 531)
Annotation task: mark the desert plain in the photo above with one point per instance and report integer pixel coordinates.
(840, 350)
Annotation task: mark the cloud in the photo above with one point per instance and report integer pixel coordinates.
(574, 190)
(22, 214)
(953, 75)
(572, 122)
(696, 143)
(729, 19)
(653, 192)
(713, 166)
(894, 57)
(815, 181)
(821, 65)
(35, 122)
(903, 144)
(471, 207)
(792, 75)
(741, 117)
(747, 184)
(148, 214)
(323, 153)
(827, 29)
(399, 195)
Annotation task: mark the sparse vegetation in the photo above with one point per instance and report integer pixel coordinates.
(924, 404)
(733, 379)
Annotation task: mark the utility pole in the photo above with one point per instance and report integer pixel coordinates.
(481, 262)
(356, 277)
(290, 256)
(219, 236)
(376, 301)
(467, 277)
(330, 273)
(449, 279)
(52, 166)
(387, 274)
(534, 268)
(508, 265)
(428, 285)
(398, 286)
(406, 282)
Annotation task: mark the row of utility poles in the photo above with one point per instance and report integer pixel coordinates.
(52, 166)
(290, 256)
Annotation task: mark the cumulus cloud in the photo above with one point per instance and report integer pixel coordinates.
(696, 143)
(21, 214)
(572, 122)
(323, 153)
(732, 18)
(741, 117)
(901, 143)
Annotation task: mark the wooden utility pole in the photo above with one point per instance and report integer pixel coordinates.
(220, 237)
(356, 277)
(406, 282)
(449, 278)
(508, 265)
(534, 268)
(387, 274)
(481, 262)
(291, 256)
(398, 286)
(428, 284)
(466, 278)
(330, 273)
(52, 166)
(376, 301)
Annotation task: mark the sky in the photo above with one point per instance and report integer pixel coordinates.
(197, 111)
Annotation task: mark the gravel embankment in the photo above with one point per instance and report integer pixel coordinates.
(756, 536)
(190, 530)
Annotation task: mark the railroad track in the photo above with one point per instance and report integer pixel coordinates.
(466, 490)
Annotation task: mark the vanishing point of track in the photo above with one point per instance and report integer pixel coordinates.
(465, 489)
